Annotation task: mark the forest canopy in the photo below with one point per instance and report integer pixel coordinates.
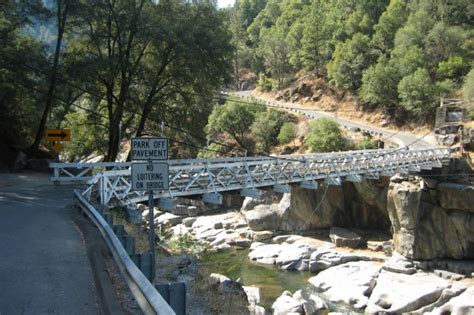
(389, 54)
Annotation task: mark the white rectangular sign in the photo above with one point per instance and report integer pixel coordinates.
(148, 148)
(148, 176)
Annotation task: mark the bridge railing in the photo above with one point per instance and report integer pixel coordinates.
(83, 172)
(206, 176)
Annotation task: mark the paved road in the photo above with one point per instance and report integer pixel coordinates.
(44, 267)
(400, 138)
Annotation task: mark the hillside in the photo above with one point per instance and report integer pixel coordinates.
(388, 58)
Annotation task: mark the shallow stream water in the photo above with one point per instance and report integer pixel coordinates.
(272, 281)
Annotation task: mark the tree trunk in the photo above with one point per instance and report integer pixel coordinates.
(61, 20)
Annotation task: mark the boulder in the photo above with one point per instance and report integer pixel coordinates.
(188, 222)
(344, 238)
(265, 254)
(216, 278)
(262, 235)
(324, 258)
(375, 246)
(311, 303)
(349, 283)
(461, 304)
(286, 304)
(241, 242)
(169, 217)
(399, 264)
(454, 196)
(401, 293)
(253, 294)
(289, 256)
(445, 296)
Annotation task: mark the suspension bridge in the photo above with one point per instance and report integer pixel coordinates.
(110, 183)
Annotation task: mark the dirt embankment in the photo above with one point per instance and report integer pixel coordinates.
(315, 93)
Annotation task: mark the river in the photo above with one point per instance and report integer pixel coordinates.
(272, 281)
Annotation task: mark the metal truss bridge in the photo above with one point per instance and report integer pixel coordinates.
(111, 182)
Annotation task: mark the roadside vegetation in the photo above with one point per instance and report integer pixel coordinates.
(109, 71)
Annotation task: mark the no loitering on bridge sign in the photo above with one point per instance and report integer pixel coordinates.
(151, 175)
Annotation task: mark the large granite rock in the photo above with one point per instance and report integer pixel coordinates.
(454, 196)
(349, 283)
(344, 238)
(324, 258)
(295, 211)
(401, 293)
(286, 304)
(423, 228)
(459, 305)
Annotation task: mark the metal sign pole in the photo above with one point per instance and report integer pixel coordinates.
(151, 220)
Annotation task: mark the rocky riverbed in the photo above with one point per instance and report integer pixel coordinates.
(416, 269)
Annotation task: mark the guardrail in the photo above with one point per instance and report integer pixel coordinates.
(150, 301)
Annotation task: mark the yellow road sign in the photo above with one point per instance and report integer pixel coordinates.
(58, 134)
(58, 147)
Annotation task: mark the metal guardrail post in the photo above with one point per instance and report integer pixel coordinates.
(150, 301)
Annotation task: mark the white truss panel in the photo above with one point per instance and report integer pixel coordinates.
(110, 182)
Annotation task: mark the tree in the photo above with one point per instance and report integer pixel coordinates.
(323, 26)
(287, 133)
(233, 121)
(379, 84)
(20, 85)
(274, 51)
(390, 21)
(62, 11)
(468, 91)
(325, 136)
(266, 127)
(408, 59)
(416, 92)
(349, 60)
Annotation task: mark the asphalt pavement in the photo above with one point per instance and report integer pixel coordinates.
(44, 268)
(402, 139)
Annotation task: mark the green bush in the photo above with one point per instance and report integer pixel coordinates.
(417, 92)
(266, 127)
(265, 83)
(287, 133)
(366, 144)
(325, 136)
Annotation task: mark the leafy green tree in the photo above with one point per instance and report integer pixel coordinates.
(468, 91)
(364, 17)
(379, 84)
(390, 21)
(349, 61)
(266, 127)
(414, 32)
(274, 50)
(417, 92)
(323, 26)
(21, 86)
(287, 133)
(453, 67)
(408, 59)
(325, 136)
(443, 42)
(233, 120)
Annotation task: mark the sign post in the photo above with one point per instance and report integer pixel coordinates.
(150, 176)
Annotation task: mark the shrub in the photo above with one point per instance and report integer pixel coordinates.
(266, 127)
(287, 133)
(325, 136)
